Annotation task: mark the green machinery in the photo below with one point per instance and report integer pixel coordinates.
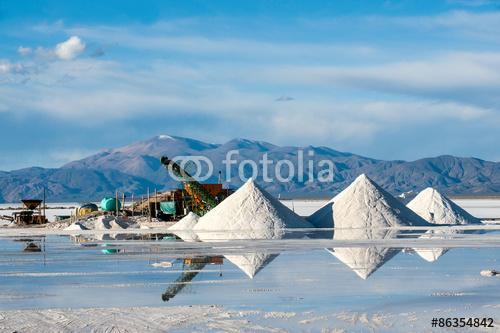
(110, 204)
(203, 199)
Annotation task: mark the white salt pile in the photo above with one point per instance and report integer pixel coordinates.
(107, 222)
(438, 209)
(362, 212)
(364, 204)
(184, 228)
(186, 223)
(249, 213)
(75, 226)
(102, 222)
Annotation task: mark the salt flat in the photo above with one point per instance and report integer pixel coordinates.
(73, 285)
(102, 281)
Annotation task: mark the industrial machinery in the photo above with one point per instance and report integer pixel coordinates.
(199, 198)
(32, 214)
(110, 204)
(88, 208)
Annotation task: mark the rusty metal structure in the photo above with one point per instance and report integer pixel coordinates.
(31, 214)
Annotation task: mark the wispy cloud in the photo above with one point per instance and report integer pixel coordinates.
(345, 90)
(24, 51)
(154, 39)
(108, 91)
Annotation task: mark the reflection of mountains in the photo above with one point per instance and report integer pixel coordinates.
(364, 261)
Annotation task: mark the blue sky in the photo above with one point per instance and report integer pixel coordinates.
(385, 79)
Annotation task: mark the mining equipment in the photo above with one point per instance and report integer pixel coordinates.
(196, 197)
(31, 214)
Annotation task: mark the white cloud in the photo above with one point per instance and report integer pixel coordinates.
(7, 67)
(469, 78)
(69, 49)
(108, 91)
(24, 51)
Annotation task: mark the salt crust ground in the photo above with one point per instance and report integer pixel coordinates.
(212, 318)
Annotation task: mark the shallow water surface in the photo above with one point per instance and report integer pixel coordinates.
(301, 274)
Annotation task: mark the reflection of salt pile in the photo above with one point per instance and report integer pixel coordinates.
(251, 263)
(249, 213)
(363, 211)
(432, 254)
(438, 209)
(364, 261)
(184, 228)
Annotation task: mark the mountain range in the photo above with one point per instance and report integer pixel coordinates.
(136, 167)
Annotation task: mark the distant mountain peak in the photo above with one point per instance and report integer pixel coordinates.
(165, 137)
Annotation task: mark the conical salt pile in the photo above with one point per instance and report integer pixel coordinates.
(248, 212)
(184, 228)
(362, 212)
(186, 223)
(364, 204)
(438, 209)
(75, 226)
